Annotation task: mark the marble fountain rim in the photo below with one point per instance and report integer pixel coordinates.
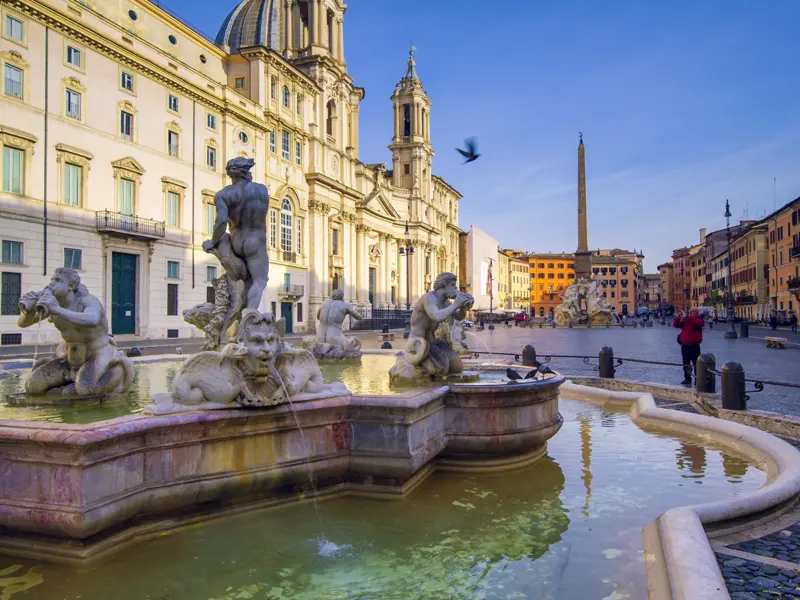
(680, 561)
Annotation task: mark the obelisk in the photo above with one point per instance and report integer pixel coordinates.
(583, 265)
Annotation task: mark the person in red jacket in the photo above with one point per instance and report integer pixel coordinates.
(690, 338)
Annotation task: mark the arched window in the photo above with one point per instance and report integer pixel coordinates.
(286, 225)
(273, 87)
(286, 96)
(330, 121)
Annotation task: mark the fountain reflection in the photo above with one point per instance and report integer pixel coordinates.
(691, 458)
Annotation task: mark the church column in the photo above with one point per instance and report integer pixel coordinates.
(325, 244)
(316, 257)
(340, 33)
(359, 263)
(322, 18)
(288, 26)
(354, 111)
(298, 39)
(387, 268)
(334, 37)
(347, 257)
(313, 22)
(396, 122)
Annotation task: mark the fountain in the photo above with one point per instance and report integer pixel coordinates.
(330, 343)
(583, 293)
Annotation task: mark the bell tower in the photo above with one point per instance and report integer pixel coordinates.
(412, 153)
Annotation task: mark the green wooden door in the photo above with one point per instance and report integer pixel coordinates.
(286, 313)
(123, 293)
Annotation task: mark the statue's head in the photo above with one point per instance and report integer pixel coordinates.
(337, 295)
(239, 168)
(256, 342)
(65, 281)
(446, 282)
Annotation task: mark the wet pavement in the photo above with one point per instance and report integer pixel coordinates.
(657, 343)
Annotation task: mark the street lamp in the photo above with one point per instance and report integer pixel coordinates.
(489, 279)
(408, 252)
(730, 334)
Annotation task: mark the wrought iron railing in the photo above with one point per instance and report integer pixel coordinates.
(376, 318)
(292, 290)
(794, 251)
(113, 221)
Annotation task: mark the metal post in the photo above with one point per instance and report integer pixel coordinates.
(529, 356)
(570, 323)
(606, 362)
(705, 381)
(733, 394)
(554, 324)
(730, 334)
(744, 328)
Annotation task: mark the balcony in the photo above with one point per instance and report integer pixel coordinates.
(793, 285)
(114, 222)
(794, 252)
(746, 300)
(289, 257)
(336, 261)
(292, 290)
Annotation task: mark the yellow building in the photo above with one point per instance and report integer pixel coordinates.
(550, 274)
(665, 272)
(503, 280)
(112, 167)
(750, 268)
(617, 280)
(519, 276)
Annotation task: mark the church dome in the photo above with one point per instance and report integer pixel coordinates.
(251, 23)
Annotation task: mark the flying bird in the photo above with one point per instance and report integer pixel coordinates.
(471, 152)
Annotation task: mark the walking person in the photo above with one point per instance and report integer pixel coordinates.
(793, 323)
(773, 322)
(690, 338)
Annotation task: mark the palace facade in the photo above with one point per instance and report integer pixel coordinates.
(117, 120)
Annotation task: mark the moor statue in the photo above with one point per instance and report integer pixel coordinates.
(86, 362)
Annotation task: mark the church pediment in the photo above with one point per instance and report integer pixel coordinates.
(128, 164)
(377, 204)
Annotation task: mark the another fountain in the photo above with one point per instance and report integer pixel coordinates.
(583, 304)
(425, 355)
(330, 343)
(86, 363)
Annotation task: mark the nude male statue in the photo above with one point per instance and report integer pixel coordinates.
(87, 361)
(242, 210)
(331, 315)
(423, 350)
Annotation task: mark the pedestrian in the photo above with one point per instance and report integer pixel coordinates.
(690, 338)
(773, 322)
(793, 323)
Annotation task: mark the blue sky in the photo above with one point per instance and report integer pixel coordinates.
(682, 104)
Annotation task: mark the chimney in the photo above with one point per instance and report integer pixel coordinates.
(702, 235)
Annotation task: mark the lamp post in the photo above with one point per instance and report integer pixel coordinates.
(730, 334)
(489, 280)
(408, 252)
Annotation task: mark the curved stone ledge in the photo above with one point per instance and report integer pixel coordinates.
(69, 491)
(680, 561)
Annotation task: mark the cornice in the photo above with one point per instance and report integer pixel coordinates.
(326, 181)
(64, 24)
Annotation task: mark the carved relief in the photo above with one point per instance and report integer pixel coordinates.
(14, 57)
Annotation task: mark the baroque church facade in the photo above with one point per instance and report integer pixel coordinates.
(117, 120)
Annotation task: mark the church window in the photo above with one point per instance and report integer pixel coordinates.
(273, 227)
(273, 87)
(330, 121)
(286, 96)
(285, 145)
(286, 225)
(406, 169)
(299, 235)
(272, 141)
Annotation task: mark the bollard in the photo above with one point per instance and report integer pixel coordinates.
(135, 351)
(744, 328)
(386, 346)
(529, 356)
(705, 382)
(385, 329)
(606, 360)
(554, 324)
(733, 394)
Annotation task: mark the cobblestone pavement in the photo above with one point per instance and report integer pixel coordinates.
(656, 343)
(784, 545)
(749, 580)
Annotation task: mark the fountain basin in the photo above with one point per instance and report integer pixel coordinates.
(70, 492)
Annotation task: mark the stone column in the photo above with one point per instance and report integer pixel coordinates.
(347, 256)
(340, 33)
(315, 257)
(397, 118)
(387, 268)
(313, 24)
(334, 37)
(359, 264)
(322, 38)
(354, 111)
(288, 11)
(325, 243)
(352, 269)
